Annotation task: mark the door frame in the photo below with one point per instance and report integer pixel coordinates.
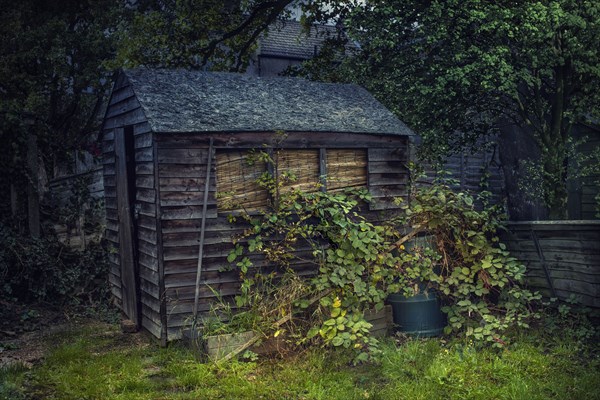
(125, 183)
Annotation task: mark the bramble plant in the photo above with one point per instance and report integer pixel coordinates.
(355, 262)
(480, 284)
(358, 263)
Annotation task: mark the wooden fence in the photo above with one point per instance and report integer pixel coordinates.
(61, 190)
(562, 257)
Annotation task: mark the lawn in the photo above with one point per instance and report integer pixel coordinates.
(96, 361)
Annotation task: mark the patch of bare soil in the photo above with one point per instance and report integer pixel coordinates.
(26, 349)
(25, 331)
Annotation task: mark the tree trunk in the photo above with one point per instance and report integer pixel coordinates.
(555, 182)
(33, 199)
(558, 205)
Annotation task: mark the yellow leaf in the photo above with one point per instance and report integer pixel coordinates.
(337, 303)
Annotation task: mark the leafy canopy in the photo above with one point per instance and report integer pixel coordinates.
(52, 79)
(467, 66)
(194, 34)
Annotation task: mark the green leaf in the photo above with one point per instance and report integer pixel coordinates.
(231, 256)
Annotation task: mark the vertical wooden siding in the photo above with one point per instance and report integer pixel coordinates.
(124, 110)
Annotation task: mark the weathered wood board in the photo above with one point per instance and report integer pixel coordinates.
(562, 257)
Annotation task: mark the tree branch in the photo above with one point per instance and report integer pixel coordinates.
(261, 28)
(254, 15)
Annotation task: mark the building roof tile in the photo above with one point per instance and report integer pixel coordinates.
(178, 100)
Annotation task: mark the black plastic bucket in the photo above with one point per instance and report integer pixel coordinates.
(419, 315)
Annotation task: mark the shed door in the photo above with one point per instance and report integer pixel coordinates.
(125, 171)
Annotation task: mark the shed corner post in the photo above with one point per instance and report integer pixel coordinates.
(164, 331)
(323, 168)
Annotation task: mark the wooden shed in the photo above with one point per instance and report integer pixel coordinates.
(173, 139)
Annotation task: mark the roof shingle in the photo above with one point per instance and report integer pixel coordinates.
(194, 101)
(290, 39)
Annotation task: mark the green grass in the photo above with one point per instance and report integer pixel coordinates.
(11, 382)
(96, 363)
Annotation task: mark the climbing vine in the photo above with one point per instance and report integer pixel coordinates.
(356, 263)
(353, 262)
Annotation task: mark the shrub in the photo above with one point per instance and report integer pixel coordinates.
(358, 263)
(479, 282)
(46, 270)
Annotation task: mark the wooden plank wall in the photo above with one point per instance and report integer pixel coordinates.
(124, 110)
(516, 144)
(471, 169)
(181, 177)
(570, 250)
(62, 187)
(181, 181)
(61, 190)
(388, 175)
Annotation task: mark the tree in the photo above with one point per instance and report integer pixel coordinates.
(462, 66)
(52, 80)
(58, 58)
(197, 34)
(442, 66)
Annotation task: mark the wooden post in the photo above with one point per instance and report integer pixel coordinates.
(202, 227)
(127, 240)
(33, 197)
(164, 331)
(323, 169)
(538, 248)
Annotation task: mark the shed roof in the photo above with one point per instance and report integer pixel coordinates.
(178, 100)
(290, 39)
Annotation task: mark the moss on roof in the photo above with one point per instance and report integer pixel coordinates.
(178, 100)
